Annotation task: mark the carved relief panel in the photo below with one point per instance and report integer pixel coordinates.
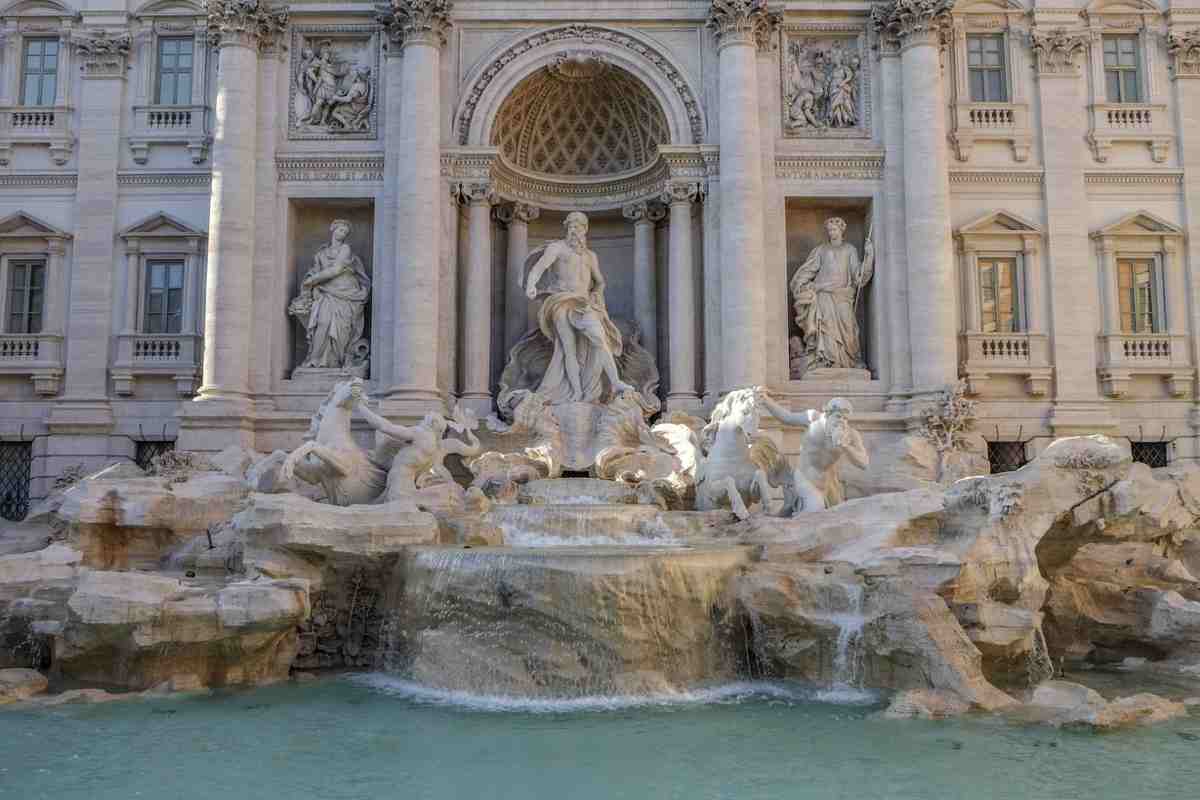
(334, 82)
(825, 82)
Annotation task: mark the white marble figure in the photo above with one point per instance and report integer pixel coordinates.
(574, 317)
(319, 80)
(331, 304)
(732, 468)
(828, 438)
(825, 291)
(805, 87)
(842, 89)
(408, 453)
(352, 106)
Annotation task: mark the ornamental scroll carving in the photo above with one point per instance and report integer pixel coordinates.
(424, 21)
(1058, 50)
(913, 21)
(744, 21)
(825, 89)
(102, 53)
(244, 22)
(1184, 47)
(334, 83)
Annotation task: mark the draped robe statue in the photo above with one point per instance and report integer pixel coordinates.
(331, 303)
(825, 291)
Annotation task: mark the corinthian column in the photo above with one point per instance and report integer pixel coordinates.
(741, 27)
(681, 311)
(645, 216)
(419, 28)
(918, 25)
(477, 302)
(516, 304)
(238, 28)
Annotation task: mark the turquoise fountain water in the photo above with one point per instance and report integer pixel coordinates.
(373, 736)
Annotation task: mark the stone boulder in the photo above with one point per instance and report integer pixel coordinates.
(926, 704)
(34, 589)
(20, 684)
(912, 462)
(1062, 703)
(138, 630)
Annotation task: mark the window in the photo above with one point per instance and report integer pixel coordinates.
(164, 297)
(26, 294)
(40, 76)
(16, 471)
(998, 295)
(1137, 289)
(149, 450)
(1152, 454)
(1006, 456)
(1121, 69)
(985, 69)
(175, 71)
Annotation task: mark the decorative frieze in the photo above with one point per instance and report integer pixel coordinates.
(48, 180)
(826, 86)
(102, 54)
(334, 82)
(830, 167)
(1184, 47)
(913, 21)
(165, 179)
(991, 177)
(682, 192)
(1058, 50)
(416, 21)
(304, 169)
(246, 23)
(744, 22)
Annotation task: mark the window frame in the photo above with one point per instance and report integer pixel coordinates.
(149, 261)
(1158, 316)
(1019, 314)
(1138, 69)
(1001, 69)
(160, 70)
(25, 73)
(14, 262)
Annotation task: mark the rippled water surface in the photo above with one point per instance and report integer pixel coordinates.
(374, 736)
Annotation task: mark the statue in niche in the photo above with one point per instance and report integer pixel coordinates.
(822, 87)
(825, 292)
(331, 305)
(338, 94)
(813, 484)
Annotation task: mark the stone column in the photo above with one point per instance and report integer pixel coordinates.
(645, 218)
(1183, 44)
(1076, 296)
(1111, 318)
(741, 27)
(918, 25)
(681, 310)
(516, 304)
(477, 301)
(240, 29)
(970, 264)
(84, 407)
(1035, 297)
(420, 28)
(893, 266)
(269, 284)
(382, 287)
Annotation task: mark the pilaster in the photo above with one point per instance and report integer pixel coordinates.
(516, 305)
(681, 197)
(1183, 45)
(645, 218)
(479, 198)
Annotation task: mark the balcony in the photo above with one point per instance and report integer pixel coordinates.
(173, 355)
(990, 355)
(1125, 355)
(171, 125)
(1130, 122)
(37, 355)
(992, 122)
(36, 125)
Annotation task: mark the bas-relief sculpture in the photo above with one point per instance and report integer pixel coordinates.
(826, 290)
(331, 306)
(333, 91)
(822, 86)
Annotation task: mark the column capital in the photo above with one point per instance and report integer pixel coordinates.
(913, 22)
(752, 22)
(1058, 50)
(646, 211)
(1184, 47)
(682, 192)
(408, 22)
(102, 53)
(244, 23)
(475, 193)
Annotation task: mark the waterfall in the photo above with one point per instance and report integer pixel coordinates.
(850, 655)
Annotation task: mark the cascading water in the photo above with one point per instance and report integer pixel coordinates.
(849, 656)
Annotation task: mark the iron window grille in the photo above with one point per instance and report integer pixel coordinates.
(16, 472)
(1152, 454)
(1006, 456)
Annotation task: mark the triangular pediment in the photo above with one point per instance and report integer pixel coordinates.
(169, 8)
(1140, 223)
(26, 226)
(999, 223)
(1121, 7)
(988, 7)
(161, 225)
(38, 8)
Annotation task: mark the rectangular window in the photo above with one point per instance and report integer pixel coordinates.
(1152, 454)
(26, 295)
(985, 69)
(1006, 456)
(163, 311)
(1121, 80)
(39, 77)
(1137, 289)
(175, 71)
(998, 296)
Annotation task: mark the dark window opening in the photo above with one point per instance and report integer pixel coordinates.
(148, 451)
(1152, 454)
(1006, 456)
(16, 471)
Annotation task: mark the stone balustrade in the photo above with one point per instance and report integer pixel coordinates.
(178, 125)
(1130, 122)
(1125, 356)
(173, 355)
(1025, 355)
(992, 122)
(50, 125)
(36, 355)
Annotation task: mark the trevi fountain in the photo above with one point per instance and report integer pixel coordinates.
(561, 579)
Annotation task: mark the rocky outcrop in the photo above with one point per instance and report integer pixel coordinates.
(1066, 704)
(20, 684)
(912, 462)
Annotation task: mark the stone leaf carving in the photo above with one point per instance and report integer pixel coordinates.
(822, 85)
(103, 53)
(751, 21)
(246, 21)
(1058, 49)
(1184, 47)
(333, 87)
(331, 304)
(417, 20)
(912, 19)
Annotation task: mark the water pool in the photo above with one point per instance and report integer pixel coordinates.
(372, 736)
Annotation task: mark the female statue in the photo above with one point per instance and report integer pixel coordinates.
(331, 303)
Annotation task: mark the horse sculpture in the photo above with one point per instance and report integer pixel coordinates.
(330, 458)
(735, 466)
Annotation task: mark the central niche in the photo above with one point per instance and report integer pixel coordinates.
(580, 116)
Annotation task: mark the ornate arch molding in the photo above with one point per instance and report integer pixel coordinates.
(491, 82)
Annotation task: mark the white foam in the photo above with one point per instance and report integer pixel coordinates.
(726, 693)
(515, 536)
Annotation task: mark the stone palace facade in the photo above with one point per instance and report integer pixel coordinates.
(211, 213)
